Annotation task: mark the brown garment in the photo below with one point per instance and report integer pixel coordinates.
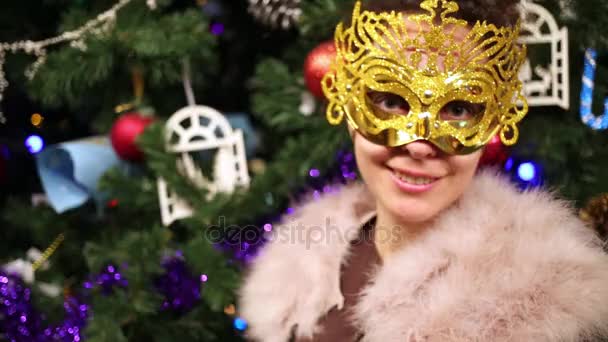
(354, 275)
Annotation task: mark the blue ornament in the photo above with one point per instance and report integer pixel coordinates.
(587, 116)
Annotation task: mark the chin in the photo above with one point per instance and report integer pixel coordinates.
(413, 213)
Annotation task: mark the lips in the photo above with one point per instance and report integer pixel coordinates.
(412, 181)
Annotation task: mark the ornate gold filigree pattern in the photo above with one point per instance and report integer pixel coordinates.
(430, 59)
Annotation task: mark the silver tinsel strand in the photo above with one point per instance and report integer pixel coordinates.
(283, 14)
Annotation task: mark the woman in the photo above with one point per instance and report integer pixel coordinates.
(430, 248)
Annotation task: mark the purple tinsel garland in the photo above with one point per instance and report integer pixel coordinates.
(20, 322)
(109, 278)
(181, 289)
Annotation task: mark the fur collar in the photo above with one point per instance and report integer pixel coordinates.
(499, 265)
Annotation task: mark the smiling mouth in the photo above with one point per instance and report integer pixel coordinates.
(414, 180)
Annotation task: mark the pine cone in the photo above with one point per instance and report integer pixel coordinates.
(282, 14)
(595, 213)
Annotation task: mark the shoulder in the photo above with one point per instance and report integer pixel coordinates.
(500, 214)
(539, 261)
(502, 264)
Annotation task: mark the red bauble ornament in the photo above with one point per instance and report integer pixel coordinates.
(317, 64)
(494, 154)
(124, 132)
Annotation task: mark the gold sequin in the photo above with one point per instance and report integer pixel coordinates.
(423, 59)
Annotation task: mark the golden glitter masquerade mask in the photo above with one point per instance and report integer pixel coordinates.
(457, 84)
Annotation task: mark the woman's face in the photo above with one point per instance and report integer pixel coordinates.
(415, 182)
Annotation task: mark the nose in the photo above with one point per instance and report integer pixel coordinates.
(420, 149)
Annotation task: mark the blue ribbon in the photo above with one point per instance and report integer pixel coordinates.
(70, 171)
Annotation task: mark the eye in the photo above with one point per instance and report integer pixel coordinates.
(389, 102)
(461, 110)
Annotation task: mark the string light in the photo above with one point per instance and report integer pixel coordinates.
(526, 171)
(240, 324)
(217, 29)
(103, 23)
(230, 310)
(36, 119)
(113, 203)
(509, 164)
(34, 144)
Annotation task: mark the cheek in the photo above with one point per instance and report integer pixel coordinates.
(464, 167)
(463, 170)
(370, 157)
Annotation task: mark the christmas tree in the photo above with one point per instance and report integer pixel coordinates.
(116, 269)
(114, 272)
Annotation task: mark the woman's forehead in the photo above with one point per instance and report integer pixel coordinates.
(457, 32)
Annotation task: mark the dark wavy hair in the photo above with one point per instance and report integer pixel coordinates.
(497, 12)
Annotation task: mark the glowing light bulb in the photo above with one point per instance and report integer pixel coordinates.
(217, 29)
(36, 119)
(34, 144)
(509, 164)
(526, 171)
(240, 324)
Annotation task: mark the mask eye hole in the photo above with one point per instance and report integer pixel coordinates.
(388, 103)
(461, 111)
